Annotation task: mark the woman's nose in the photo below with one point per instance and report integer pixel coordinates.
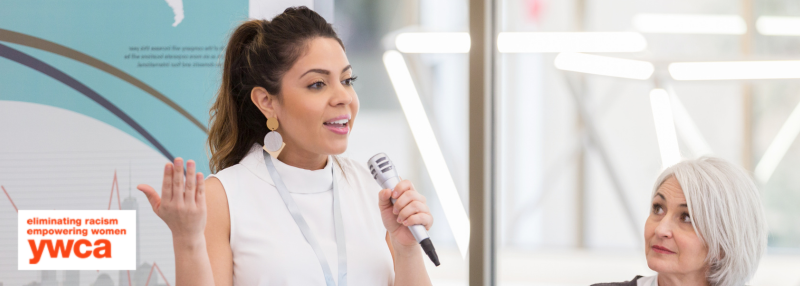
(664, 229)
(341, 96)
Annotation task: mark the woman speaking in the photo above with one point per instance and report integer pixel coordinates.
(298, 214)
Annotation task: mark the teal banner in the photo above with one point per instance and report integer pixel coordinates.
(95, 97)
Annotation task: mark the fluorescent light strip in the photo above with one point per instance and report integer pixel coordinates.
(734, 70)
(665, 128)
(433, 42)
(428, 147)
(687, 129)
(779, 146)
(553, 42)
(601, 65)
(690, 24)
(778, 26)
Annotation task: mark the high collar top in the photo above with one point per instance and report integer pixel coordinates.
(297, 180)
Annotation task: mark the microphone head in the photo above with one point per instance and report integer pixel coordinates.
(381, 168)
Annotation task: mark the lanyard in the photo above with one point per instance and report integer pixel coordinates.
(310, 238)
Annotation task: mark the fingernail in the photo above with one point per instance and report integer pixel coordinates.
(394, 194)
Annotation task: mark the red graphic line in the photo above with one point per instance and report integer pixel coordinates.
(117, 185)
(162, 274)
(111, 197)
(159, 272)
(10, 200)
(147, 281)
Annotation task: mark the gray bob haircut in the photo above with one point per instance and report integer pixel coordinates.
(726, 212)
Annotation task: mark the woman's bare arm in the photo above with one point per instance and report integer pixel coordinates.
(218, 233)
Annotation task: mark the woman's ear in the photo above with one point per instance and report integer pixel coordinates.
(264, 101)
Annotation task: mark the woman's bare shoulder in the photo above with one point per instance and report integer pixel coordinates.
(217, 204)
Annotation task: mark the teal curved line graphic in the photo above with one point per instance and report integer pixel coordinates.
(45, 45)
(44, 68)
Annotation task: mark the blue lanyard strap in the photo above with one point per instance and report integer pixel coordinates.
(341, 248)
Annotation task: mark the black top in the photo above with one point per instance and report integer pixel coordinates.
(626, 283)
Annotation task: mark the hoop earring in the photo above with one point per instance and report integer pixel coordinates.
(273, 141)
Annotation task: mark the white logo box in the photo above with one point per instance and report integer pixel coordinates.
(100, 237)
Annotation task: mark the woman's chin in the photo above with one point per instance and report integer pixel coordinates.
(659, 264)
(337, 149)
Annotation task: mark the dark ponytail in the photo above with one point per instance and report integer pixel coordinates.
(259, 53)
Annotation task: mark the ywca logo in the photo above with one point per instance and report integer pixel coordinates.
(77, 240)
(103, 251)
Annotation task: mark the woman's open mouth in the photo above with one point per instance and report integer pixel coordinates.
(338, 125)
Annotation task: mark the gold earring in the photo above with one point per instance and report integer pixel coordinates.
(272, 123)
(273, 141)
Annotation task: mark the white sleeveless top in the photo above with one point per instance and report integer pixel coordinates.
(268, 247)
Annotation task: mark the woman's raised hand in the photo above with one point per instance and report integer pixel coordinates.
(182, 205)
(408, 209)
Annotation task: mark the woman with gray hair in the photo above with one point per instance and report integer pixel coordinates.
(706, 226)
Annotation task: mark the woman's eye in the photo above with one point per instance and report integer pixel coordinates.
(657, 209)
(686, 218)
(349, 81)
(317, 85)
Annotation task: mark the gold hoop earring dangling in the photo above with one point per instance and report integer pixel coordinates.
(273, 141)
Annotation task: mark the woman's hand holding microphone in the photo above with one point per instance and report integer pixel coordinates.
(409, 209)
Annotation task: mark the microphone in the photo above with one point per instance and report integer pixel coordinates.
(384, 172)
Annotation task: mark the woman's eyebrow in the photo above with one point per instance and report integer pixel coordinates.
(660, 195)
(322, 71)
(325, 72)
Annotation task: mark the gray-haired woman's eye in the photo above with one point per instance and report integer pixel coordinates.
(657, 209)
(686, 218)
